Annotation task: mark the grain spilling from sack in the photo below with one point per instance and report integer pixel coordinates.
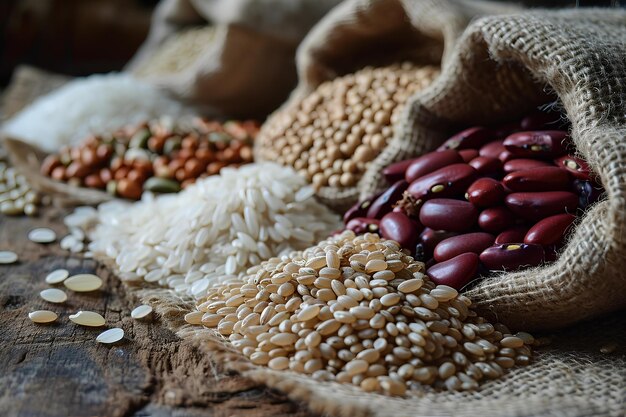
(358, 309)
(330, 136)
(212, 230)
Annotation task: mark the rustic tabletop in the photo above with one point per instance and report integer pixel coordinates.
(60, 370)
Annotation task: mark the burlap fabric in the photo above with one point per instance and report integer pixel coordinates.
(502, 68)
(359, 33)
(248, 68)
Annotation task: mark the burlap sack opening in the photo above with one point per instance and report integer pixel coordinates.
(358, 33)
(247, 69)
(501, 68)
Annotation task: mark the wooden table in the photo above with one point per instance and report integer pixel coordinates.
(60, 370)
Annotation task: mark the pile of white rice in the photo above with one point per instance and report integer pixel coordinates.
(211, 231)
(93, 105)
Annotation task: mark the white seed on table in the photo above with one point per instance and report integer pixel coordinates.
(389, 300)
(7, 257)
(141, 311)
(410, 285)
(57, 276)
(42, 316)
(83, 282)
(279, 363)
(53, 295)
(88, 318)
(308, 312)
(42, 235)
(110, 336)
(195, 317)
(356, 366)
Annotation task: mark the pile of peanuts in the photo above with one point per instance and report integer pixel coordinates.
(161, 156)
(358, 309)
(331, 135)
(487, 199)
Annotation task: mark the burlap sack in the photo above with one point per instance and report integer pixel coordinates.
(358, 33)
(499, 71)
(247, 69)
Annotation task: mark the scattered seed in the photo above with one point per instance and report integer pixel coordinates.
(7, 257)
(42, 316)
(83, 282)
(42, 235)
(110, 336)
(57, 276)
(141, 312)
(195, 317)
(53, 295)
(88, 318)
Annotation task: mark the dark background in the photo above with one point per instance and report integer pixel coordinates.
(80, 37)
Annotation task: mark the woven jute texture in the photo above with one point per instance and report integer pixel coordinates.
(359, 33)
(247, 69)
(501, 68)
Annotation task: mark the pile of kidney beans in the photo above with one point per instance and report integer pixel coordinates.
(486, 200)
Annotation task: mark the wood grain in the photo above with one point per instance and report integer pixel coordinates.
(60, 370)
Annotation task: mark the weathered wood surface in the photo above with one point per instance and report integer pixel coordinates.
(60, 370)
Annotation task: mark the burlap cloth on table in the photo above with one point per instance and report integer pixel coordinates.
(358, 33)
(248, 68)
(501, 69)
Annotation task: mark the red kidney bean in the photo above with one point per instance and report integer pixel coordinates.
(457, 245)
(588, 193)
(384, 204)
(486, 192)
(399, 227)
(468, 154)
(495, 219)
(523, 164)
(455, 272)
(512, 235)
(359, 209)
(430, 163)
(430, 239)
(473, 137)
(444, 182)
(538, 179)
(511, 256)
(361, 225)
(536, 206)
(550, 230)
(396, 171)
(448, 214)
(505, 129)
(486, 165)
(541, 120)
(575, 166)
(545, 143)
(492, 149)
